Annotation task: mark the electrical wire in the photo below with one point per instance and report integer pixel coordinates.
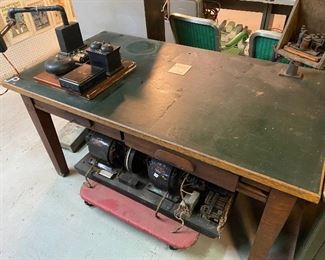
(4, 92)
(90, 170)
(181, 209)
(182, 187)
(13, 67)
(160, 203)
(11, 64)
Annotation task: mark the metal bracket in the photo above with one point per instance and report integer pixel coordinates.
(292, 71)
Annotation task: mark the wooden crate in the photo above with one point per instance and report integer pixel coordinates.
(305, 12)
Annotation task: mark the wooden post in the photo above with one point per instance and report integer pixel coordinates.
(154, 19)
(46, 130)
(275, 215)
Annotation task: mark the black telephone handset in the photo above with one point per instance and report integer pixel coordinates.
(59, 65)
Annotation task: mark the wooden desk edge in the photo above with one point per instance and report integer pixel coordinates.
(255, 176)
(322, 183)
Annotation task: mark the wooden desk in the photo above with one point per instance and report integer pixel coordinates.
(230, 120)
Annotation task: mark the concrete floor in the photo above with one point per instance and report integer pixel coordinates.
(43, 217)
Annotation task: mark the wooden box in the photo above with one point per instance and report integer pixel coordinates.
(305, 12)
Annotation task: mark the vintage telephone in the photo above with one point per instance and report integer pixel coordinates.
(68, 35)
(70, 66)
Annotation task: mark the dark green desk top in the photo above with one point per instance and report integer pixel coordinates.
(232, 112)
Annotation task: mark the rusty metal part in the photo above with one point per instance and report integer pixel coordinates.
(318, 42)
(305, 43)
(216, 207)
(10, 23)
(303, 32)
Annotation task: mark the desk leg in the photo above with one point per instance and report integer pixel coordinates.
(46, 130)
(275, 215)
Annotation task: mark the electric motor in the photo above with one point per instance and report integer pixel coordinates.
(164, 176)
(106, 149)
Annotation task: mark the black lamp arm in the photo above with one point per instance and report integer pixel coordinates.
(3, 45)
(59, 8)
(5, 29)
(12, 19)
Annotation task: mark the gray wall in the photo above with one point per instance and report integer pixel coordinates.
(122, 16)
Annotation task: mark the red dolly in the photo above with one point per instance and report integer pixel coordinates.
(138, 215)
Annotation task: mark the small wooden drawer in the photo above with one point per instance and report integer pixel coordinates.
(105, 130)
(62, 113)
(209, 173)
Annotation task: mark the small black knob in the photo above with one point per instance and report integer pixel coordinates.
(95, 45)
(106, 47)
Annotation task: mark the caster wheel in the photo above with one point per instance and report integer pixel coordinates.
(88, 204)
(173, 248)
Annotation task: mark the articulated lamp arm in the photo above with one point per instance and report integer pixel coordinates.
(12, 20)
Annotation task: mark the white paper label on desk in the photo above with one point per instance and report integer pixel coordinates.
(180, 69)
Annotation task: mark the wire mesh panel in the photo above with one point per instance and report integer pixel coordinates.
(196, 35)
(264, 48)
(28, 52)
(32, 39)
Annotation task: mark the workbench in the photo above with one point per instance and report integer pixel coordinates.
(230, 120)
